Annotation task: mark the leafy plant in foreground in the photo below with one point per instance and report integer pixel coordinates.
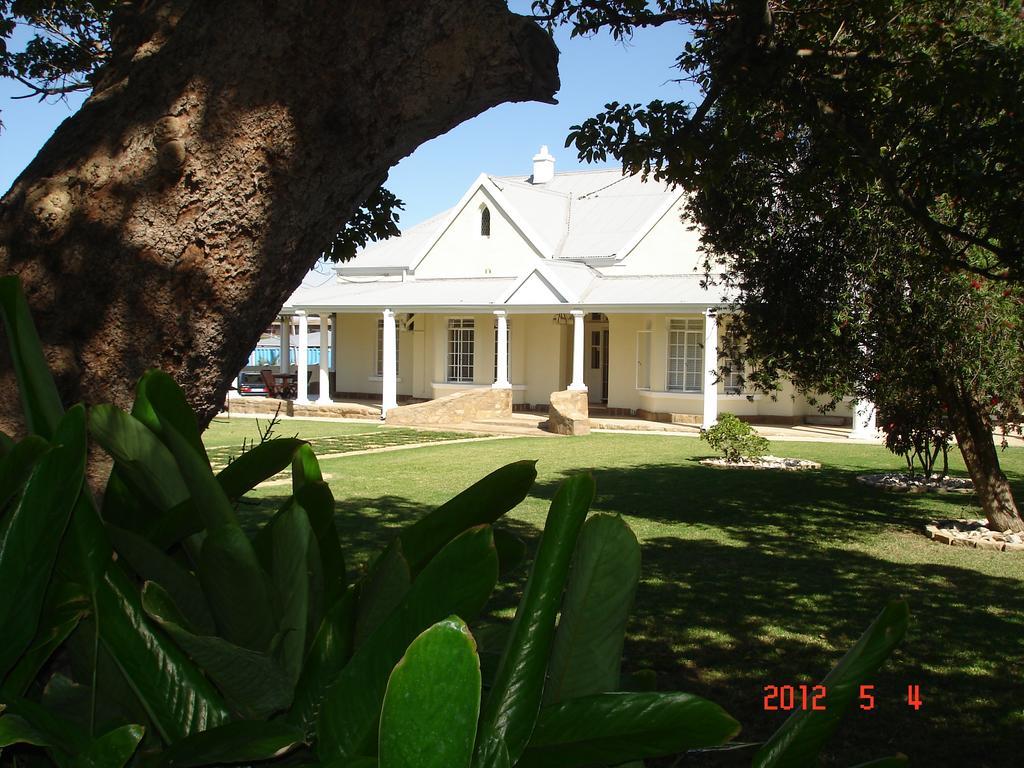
(154, 630)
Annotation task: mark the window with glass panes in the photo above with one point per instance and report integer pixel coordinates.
(380, 347)
(733, 380)
(508, 349)
(460, 349)
(685, 351)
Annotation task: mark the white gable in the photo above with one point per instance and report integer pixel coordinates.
(535, 290)
(462, 251)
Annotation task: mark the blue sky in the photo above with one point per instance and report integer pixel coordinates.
(501, 141)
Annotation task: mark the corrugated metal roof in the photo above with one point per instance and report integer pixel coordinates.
(414, 293)
(399, 252)
(597, 213)
(653, 290)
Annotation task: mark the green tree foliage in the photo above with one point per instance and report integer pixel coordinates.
(67, 43)
(856, 177)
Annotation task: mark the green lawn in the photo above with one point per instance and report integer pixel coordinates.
(753, 578)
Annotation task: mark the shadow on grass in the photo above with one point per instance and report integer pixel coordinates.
(769, 580)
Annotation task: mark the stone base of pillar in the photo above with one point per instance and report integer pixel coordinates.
(577, 388)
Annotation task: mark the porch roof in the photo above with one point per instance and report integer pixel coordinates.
(598, 293)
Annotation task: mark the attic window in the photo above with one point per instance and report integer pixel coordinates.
(485, 221)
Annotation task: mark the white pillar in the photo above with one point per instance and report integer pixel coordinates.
(389, 383)
(501, 379)
(302, 363)
(286, 331)
(710, 368)
(577, 351)
(864, 427)
(325, 362)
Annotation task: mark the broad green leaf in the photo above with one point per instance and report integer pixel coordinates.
(160, 402)
(613, 728)
(178, 524)
(316, 498)
(799, 740)
(253, 684)
(237, 589)
(39, 398)
(511, 551)
(211, 504)
(85, 554)
(143, 461)
(305, 467)
(480, 504)
(331, 650)
(310, 490)
(125, 506)
(514, 700)
(152, 564)
(65, 606)
(175, 694)
(428, 719)
(15, 730)
(111, 750)
(587, 654)
(896, 761)
(32, 532)
(259, 463)
(293, 550)
(17, 465)
(381, 590)
(236, 742)
(35, 724)
(458, 580)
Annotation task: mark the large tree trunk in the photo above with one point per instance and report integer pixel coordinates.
(974, 437)
(168, 220)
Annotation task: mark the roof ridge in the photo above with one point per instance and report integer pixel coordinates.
(567, 173)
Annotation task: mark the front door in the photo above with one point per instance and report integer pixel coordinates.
(595, 365)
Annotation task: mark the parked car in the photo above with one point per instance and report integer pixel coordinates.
(250, 383)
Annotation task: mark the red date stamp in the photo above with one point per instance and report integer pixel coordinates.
(814, 698)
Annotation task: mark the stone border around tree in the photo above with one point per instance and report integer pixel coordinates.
(901, 482)
(763, 462)
(974, 534)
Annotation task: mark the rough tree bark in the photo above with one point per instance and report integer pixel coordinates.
(974, 437)
(168, 220)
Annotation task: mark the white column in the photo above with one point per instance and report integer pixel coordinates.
(501, 379)
(864, 426)
(302, 363)
(389, 383)
(577, 351)
(325, 362)
(286, 341)
(710, 368)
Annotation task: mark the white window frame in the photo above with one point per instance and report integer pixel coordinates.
(460, 350)
(733, 382)
(685, 355)
(380, 347)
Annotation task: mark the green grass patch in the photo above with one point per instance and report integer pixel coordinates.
(226, 438)
(759, 577)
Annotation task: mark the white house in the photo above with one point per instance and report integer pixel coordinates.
(586, 280)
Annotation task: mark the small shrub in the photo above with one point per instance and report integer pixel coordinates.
(734, 439)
